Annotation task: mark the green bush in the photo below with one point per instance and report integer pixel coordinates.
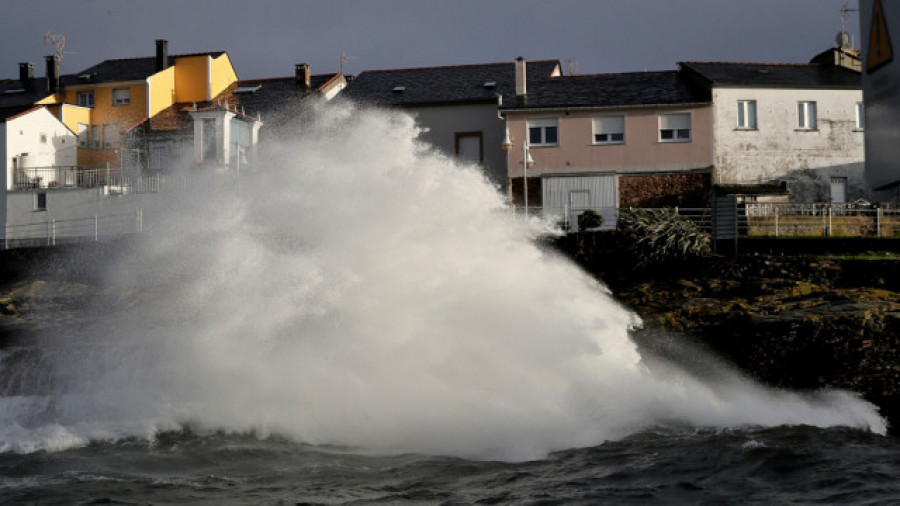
(589, 219)
(659, 236)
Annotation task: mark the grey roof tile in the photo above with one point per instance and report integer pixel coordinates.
(442, 85)
(611, 90)
(775, 75)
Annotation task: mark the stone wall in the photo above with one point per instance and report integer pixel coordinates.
(665, 190)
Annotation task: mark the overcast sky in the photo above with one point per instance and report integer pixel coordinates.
(265, 38)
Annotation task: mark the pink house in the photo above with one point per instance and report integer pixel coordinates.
(605, 141)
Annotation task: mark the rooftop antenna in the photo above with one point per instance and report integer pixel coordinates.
(345, 59)
(57, 42)
(843, 39)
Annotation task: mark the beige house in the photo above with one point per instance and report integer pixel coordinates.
(603, 141)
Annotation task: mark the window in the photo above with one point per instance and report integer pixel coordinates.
(43, 138)
(543, 132)
(95, 137)
(806, 115)
(83, 136)
(469, 146)
(860, 116)
(40, 201)
(746, 117)
(675, 127)
(609, 130)
(110, 136)
(86, 98)
(121, 97)
(159, 157)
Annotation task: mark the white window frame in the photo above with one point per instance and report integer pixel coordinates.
(806, 115)
(609, 129)
(672, 127)
(85, 98)
(860, 116)
(121, 96)
(543, 126)
(746, 114)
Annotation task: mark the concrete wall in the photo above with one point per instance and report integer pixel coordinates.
(69, 215)
(778, 150)
(444, 122)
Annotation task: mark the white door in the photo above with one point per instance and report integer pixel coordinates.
(839, 189)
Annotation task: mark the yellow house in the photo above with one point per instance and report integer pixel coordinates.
(103, 101)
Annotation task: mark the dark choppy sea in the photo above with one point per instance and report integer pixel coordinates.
(784, 465)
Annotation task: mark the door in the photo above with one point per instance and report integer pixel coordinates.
(838, 189)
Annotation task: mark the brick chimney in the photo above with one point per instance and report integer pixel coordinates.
(26, 74)
(521, 89)
(302, 76)
(162, 54)
(52, 73)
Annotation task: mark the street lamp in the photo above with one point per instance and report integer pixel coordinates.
(527, 163)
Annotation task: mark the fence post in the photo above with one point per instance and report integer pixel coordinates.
(96, 229)
(878, 222)
(776, 221)
(139, 221)
(830, 209)
(53, 227)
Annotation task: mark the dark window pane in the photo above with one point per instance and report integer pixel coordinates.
(534, 135)
(618, 137)
(666, 134)
(551, 137)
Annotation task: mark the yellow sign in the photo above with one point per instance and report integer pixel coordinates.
(880, 51)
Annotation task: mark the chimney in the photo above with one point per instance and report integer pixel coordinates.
(162, 54)
(521, 91)
(52, 73)
(302, 76)
(26, 74)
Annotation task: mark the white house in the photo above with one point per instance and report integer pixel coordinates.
(800, 125)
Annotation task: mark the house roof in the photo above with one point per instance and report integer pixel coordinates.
(610, 90)
(273, 98)
(13, 93)
(443, 85)
(125, 69)
(774, 75)
(177, 117)
(9, 113)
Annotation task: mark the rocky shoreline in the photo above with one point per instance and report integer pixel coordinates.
(801, 322)
(795, 321)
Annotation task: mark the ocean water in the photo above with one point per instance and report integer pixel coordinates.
(362, 321)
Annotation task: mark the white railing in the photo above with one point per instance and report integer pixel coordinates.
(54, 231)
(823, 220)
(62, 178)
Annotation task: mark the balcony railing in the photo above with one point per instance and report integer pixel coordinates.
(69, 177)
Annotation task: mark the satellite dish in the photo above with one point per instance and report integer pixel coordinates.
(843, 40)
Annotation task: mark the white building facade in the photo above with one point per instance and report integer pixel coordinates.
(813, 139)
(801, 126)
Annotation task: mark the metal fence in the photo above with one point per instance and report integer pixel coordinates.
(819, 220)
(54, 231)
(68, 177)
(781, 220)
